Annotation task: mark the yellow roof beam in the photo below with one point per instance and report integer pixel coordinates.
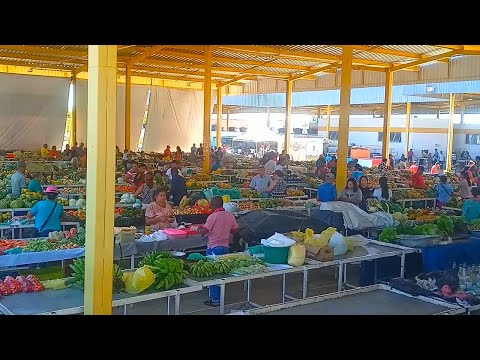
(145, 54)
(42, 58)
(384, 51)
(36, 66)
(314, 71)
(214, 68)
(425, 60)
(234, 80)
(174, 71)
(230, 60)
(47, 51)
(253, 49)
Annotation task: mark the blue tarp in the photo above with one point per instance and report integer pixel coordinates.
(40, 257)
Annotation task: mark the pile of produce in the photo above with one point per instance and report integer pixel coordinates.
(78, 275)
(191, 210)
(227, 265)
(455, 203)
(314, 183)
(249, 194)
(410, 194)
(443, 226)
(168, 270)
(385, 206)
(200, 177)
(61, 200)
(195, 185)
(295, 192)
(5, 217)
(248, 206)
(6, 244)
(129, 199)
(10, 285)
(267, 204)
(421, 215)
(74, 190)
(223, 185)
(76, 215)
(124, 188)
(474, 225)
(131, 212)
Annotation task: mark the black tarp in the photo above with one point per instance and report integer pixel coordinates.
(261, 224)
(331, 218)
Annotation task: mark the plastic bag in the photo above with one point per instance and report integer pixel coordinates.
(320, 240)
(296, 254)
(208, 194)
(337, 242)
(138, 281)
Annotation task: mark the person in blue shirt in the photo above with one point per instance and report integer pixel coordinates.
(34, 184)
(18, 181)
(48, 213)
(471, 207)
(178, 188)
(444, 191)
(327, 191)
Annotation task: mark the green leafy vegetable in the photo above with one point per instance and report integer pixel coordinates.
(445, 225)
(459, 224)
(425, 229)
(388, 235)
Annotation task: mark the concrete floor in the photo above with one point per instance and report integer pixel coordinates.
(264, 292)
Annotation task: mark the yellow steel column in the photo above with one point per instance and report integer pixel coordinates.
(128, 101)
(228, 119)
(73, 127)
(327, 125)
(387, 114)
(207, 95)
(407, 128)
(288, 116)
(344, 120)
(219, 116)
(448, 155)
(102, 97)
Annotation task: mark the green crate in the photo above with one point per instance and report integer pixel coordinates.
(42, 274)
(276, 255)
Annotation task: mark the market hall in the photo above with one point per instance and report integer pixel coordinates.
(293, 238)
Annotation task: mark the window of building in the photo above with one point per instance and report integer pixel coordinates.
(333, 135)
(472, 139)
(394, 137)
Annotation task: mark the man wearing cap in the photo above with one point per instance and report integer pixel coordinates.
(261, 181)
(18, 181)
(327, 191)
(47, 213)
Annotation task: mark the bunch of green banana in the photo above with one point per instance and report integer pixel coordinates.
(221, 267)
(150, 258)
(242, 263)
(78, 271)
(118, 284)
(203, 268)
(168, 272)
(249, 270)
(78, 275)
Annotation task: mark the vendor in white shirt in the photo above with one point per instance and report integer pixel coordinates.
(271, 163)
(383, 192)
(261, 182)
(173, 165)
(282, 164)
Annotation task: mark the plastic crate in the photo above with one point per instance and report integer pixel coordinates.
(276, 255)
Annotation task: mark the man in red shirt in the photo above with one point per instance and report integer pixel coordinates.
(418, 182)
(218, 227)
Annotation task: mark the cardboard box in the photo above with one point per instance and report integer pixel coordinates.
(321, 254)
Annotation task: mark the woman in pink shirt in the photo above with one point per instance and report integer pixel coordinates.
(218, 227)
(159, 213)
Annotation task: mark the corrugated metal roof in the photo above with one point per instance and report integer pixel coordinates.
(231, 60)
